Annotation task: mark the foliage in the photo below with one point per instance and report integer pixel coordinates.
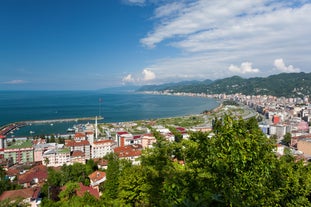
(234, 165)
(13, 203)
(5, 183)
(284, 84)
(115, 167)
(287, 139)
(186, 121)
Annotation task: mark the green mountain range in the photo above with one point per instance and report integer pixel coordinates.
(283, 84)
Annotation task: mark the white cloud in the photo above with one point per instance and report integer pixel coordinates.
(134, 2)
(213, 34)
(148, 75)
(14, 82)
(246, 67)
(128, 79)
(168, 9)
(280, 65)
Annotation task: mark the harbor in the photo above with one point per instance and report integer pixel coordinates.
(8, 129)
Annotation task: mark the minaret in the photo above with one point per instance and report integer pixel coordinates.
(96, 132)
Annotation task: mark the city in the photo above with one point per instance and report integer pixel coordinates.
(24, 158)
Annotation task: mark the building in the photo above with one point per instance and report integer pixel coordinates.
(130, 152)
(30, 196)
(80, 145)
(56, 157)
(40, 148)
(21, 152)
(77, 156)
(304, 145)
(147, 140)
(102, 147)
(124, 138)
(96, 178)
(33, 177)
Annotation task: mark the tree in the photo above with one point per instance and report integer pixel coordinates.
(46, 161)
(52, 139)
(287, 139)
(133, 186)
(69, 192)
(115, 167)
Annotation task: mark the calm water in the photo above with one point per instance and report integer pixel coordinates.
(44, 105)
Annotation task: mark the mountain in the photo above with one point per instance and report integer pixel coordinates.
(184, 86)
(283, 84)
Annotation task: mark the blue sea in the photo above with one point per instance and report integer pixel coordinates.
(114, 107)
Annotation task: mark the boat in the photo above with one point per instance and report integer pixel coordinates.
(70, 130)
(31, 132)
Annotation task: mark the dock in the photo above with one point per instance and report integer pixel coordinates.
(4, 130)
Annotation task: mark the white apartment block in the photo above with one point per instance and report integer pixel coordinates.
(102, 147)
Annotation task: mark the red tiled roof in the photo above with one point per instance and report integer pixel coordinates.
(39, 172)
(12, 172)
(122, 133)
(137, 136)
(181, 129)
(101, 161)
(71, 143)
(129, 154)
(129, 150)
(77, 153)
(103, 141)
(97, 175)
(83, 189)
(22, 193)
(79, 134)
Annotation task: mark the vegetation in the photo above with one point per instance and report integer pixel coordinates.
(5, 183)
(284, 84)
(234, 165)
(186, 121)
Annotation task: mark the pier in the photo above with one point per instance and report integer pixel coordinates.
(4, 130)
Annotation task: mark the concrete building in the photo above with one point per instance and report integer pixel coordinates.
(80, 145)
(56, 157)
(102, 147)
(20, 151)
(304, 145)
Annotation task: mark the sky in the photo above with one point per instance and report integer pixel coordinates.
(94, 44)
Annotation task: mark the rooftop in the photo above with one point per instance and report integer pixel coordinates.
(20, 144)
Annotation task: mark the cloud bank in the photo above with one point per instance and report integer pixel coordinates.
(280, 65)
(209, 35)
(146, 77)
(246, 67)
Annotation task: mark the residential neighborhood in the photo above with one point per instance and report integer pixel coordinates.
(26, 161)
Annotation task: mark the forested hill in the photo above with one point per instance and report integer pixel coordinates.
(284, 84)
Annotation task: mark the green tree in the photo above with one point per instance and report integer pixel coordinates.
(115, 167)
(52, 139)
(69, 191)
(287, 139)
(133, 186)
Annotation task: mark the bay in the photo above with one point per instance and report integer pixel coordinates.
(114, 107)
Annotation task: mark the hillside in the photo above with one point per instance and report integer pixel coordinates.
(284, 84)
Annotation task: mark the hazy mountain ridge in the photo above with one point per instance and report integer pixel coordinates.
(283, 84)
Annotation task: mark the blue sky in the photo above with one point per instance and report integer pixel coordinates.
(93, 44)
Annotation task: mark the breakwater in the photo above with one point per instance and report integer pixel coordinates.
(4, 130)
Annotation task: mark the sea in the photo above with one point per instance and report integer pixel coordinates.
(16, 106)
